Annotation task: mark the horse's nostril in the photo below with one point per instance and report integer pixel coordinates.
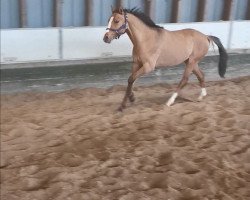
(105, 38)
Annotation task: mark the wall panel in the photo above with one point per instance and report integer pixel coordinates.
(9, 14)
(28, 45)
(24, 45)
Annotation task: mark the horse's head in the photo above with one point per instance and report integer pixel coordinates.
(117, 25)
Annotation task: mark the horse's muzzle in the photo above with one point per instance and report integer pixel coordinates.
(106, 39)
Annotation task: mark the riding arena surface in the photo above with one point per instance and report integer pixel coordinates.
(75, 145)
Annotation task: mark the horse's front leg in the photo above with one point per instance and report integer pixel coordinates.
(129, 94)
(135, 74)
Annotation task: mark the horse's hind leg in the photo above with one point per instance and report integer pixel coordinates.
(200, 76)
(188, 70)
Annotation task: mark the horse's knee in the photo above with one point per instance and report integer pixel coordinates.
(131, 80)
(132, 97)
(185, 79)
(201, 79)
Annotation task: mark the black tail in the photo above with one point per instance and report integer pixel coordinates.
(223, 55)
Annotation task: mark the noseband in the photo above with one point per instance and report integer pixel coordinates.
(123, 26)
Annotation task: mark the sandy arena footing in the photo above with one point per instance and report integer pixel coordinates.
(75, 145)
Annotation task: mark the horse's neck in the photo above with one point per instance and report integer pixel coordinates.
(138, 32)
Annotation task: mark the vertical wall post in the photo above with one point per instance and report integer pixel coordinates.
(150, 8)
(231, 18)
(201, 12)
(57, 22)
(248, 11)
(57, 14)
(23, 13)
(119, 3)
(89, 13)
(227, 10)
(175, 11)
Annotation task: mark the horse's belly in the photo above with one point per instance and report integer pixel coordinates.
(171, 59)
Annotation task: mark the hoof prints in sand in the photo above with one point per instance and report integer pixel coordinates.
(73, 145)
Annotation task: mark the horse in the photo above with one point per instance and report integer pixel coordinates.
(154, 46)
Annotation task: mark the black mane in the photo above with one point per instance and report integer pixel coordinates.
(142, 16)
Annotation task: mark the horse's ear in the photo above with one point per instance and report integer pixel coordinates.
(121, 11)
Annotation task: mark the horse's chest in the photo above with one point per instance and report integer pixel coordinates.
(146, 55)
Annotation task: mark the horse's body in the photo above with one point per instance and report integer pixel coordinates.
(154, 47)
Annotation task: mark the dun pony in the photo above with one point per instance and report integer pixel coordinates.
(154, 46)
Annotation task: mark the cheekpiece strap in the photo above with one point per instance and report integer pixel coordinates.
(123, 26)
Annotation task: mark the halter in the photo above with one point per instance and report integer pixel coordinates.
(123, 26)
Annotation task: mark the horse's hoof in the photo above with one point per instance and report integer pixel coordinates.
(132, 98)
(121, 108)
(169, 103)
(203, 94)
(172, 99)
(200, 98)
